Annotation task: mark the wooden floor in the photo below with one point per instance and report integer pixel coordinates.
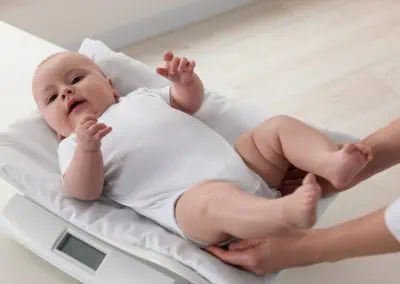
(335, 63)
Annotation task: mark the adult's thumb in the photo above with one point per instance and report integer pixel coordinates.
(239, 258)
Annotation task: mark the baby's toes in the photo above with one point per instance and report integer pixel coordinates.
(365, 150)
(350, 148)
(314, 194)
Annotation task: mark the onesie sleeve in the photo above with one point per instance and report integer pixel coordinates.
(66, 150)
(392, 219)
(164, 93)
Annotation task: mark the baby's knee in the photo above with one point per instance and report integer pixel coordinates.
(245, 143)
(279, 121)
(271, 129)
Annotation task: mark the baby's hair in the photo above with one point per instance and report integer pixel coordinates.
(62, 52)
(48, 58)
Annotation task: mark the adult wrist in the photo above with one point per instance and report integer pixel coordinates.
(301, 249)
(310, 247)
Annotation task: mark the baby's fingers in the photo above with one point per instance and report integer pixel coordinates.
(184, 65)
(88, 118)
(100, 134)
(162, 71)
(191, 66)
(174, 65)
(168, 56)
(88, 124)
(96, 128)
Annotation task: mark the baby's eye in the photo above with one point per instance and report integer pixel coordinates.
(52, 98)
(76, 79)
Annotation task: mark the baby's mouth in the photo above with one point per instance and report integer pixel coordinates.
(74, 105)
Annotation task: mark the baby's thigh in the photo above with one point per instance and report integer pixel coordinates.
(195, 211)
(259, 148)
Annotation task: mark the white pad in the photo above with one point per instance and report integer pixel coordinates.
(392, 219)
(28, 161)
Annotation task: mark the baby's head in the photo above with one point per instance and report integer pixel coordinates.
(67, 86)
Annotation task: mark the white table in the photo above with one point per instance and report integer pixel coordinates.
(20, 52)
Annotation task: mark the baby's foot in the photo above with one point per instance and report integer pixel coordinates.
(300, 208)
(347, 163)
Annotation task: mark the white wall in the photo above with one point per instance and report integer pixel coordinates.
(66, 22)
(63, 21)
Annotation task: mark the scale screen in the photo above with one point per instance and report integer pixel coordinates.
(81, 251)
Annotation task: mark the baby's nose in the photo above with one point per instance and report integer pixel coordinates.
(66, 92)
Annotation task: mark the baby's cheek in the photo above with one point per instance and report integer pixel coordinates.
(101, 95)
(53, 123)
(92, 85)
(57, 121)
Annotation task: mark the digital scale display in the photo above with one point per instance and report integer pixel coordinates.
(81, 251)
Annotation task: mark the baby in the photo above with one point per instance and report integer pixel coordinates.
(146, 151)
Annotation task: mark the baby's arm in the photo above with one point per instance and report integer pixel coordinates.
(187, 91)
(84, 177)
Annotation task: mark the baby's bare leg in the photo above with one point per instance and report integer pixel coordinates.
(213, 212)
(283, 139)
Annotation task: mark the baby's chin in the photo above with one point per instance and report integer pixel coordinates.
(67, 129)
(64, 133)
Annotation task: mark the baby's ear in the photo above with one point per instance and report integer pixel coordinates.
(110, 82)
(60, 137)
(115, 93)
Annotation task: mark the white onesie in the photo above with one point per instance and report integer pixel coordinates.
(155, 153)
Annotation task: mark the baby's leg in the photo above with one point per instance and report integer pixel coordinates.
(213, 212)
(283, 139)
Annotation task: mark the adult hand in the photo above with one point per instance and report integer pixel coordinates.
(266, 255)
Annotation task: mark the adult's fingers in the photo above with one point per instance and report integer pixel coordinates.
(238, 258)
(244, 244)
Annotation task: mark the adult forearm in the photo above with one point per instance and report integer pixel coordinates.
(385, 144)
(84, 178)
(367, 235)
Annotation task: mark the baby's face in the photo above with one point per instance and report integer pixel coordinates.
(69, 86)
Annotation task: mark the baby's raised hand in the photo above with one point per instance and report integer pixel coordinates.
(89, 133)
(177, 70)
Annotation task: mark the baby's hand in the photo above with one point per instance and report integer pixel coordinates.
(89, 133)
(177, 70)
